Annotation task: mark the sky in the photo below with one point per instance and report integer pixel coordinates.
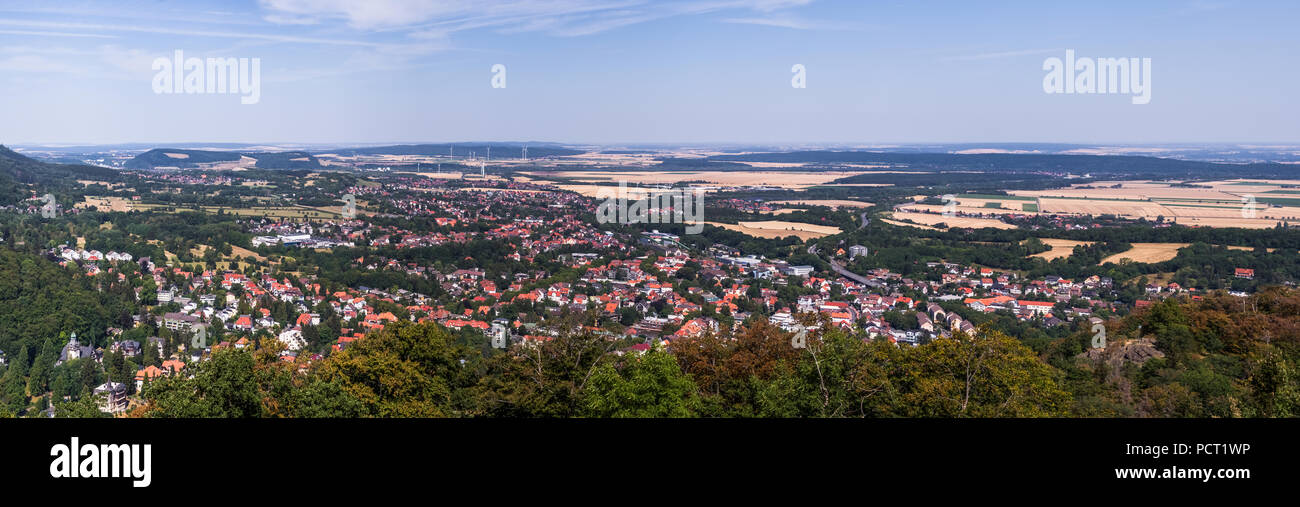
(625, 72)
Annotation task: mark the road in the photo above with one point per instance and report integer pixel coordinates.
(839, 269)
(835, 265)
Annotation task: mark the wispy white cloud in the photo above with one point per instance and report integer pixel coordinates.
(781, 22)
(791, 21)
(57, 34)
(106, 61)
(93, 27)
(423, 18)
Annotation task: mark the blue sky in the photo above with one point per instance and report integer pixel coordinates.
(633, 71)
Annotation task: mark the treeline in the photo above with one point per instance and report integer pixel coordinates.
(410, 370)
(1223, 357)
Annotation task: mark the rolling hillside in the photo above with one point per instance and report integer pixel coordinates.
(18, 171)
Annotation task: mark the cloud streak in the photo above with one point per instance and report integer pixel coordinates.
(92, 27)
(568, 18)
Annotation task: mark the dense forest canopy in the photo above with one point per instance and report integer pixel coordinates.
(1222, 357)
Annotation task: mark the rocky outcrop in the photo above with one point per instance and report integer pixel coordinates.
(1116, 354)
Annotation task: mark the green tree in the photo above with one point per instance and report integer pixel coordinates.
(39, 380)
(223, 386)
(84, 407)
(988, 375)
(648, 385)
(406, 370)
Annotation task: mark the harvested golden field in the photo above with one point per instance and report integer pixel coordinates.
(779, 229)
(1133, 209)
(1140, 191)
(905, 224)
(245, 253)
(833, 203)
(1231, 210)
(1148, 252)
(608, 191)
(1060, 248)
(936, 208)
(955, 221)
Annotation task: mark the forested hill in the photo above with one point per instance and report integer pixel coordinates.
(17, 171)
(40, 299)
(171, 157)
(1097, 165)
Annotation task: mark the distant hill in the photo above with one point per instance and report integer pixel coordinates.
(501, 150)
(173, 157)
(168, 157)
(17, 171)
(285, 160)
(667, 163)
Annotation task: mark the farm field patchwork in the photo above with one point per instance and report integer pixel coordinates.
(933, 219)
(1061, 248)
(1197, 204)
